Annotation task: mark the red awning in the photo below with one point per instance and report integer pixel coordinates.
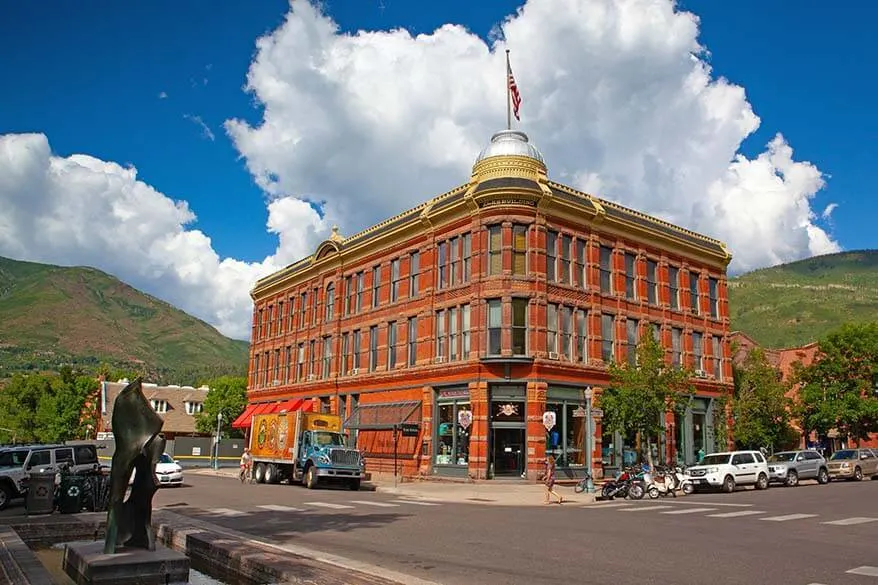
(289, 406)
(243, 421)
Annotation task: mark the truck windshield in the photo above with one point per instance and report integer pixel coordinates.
(327, 439)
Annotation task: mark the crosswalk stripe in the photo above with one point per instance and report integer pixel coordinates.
(279, 508)
(329, 505)
(851, 521)
(864, 570)
(417, 503)
(226, 512)
(690, 511)
(718, 504)
(736, 514)
(644, 508)
(376, 504)
(788, 517)
(610, 505)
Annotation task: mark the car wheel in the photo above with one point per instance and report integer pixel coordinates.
(5, 496)
(822, 476)
(792, 478)
(688, 488)
(729, 484)
(858, 474)
(311, 477)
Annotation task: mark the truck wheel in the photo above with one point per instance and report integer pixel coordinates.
(354, 485)
(311, 477)
(271, 473)
(5, 496)
(260, 473)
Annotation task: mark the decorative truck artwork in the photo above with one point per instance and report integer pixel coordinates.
(303, 447)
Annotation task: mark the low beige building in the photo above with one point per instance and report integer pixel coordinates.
(177, 405)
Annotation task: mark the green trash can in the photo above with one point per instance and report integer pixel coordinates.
(40, 493)
(71, 492)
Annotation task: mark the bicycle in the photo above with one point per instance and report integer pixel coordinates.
(246, 474)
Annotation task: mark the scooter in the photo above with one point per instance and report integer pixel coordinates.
(684, 480)
(662, 484)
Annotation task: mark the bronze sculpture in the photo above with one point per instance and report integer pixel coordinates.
(139, 445)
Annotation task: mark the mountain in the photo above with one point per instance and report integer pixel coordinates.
(797, 303)
(52, 315)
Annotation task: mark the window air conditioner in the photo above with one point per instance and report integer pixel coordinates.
(355, 371)
(700, 374)
(553, 355)
(439, 359)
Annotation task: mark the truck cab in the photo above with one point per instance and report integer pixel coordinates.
(323, 455)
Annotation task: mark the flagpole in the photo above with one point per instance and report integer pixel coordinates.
(508, 96)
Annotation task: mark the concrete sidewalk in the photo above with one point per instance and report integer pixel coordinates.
(483, 492)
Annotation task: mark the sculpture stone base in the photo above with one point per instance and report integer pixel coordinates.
(87, 564)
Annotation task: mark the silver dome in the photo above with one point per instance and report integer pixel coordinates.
(510, 142)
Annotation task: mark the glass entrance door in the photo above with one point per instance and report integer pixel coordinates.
(508, 452)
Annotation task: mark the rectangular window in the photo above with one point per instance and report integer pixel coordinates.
(676, 347)
(376, 286)
(693, 292)
(519, 249)
(345, 352)
(717, 358)
(391, 345)
(288, 360)
(280, 317)
(674, 286)
(630, 276)
(566, 442)
(452, 438)
(566, 332)
(453, 335)
(355, 352)
(373, 348)
(631, 330)
(652, 282)
(413, 341)
(519, 326)
(348, 295)
(275, 380)
(259, 324)
(606, 270)
(608, 337)
(441, 341)
(454, 253)
(361, 285)
(566, 245)
(551, 256)
(292, 315)
(314, 306)
(312, 366)
(300, 362)
(414, 274)
(267, 372)
(582, 335)
(327, 357)
(552, 328)
(467, 252)
(698, 350)
(495, 326)
(329, 299)
(656, 333)
(579, 277)
(464, 332)
(256, 370)
(713, 291)
(442, 266)
(270, 318)
(495, 250)
(394, 280)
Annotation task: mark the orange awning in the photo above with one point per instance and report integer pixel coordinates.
(243, 421)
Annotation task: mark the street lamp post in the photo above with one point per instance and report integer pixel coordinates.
(219, 420)
(589, 441)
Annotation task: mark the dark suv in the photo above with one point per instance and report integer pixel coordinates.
(18, 462)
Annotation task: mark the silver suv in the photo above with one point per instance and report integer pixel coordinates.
(18, 462)
(789, 467)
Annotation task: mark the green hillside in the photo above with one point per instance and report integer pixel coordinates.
(793, 304)
(50, 315)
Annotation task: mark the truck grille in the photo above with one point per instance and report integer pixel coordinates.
(345, 457)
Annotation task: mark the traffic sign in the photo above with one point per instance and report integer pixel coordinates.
(409, 429)
(597, 413)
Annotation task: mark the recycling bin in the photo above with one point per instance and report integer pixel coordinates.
(71, 494)
(40, 493)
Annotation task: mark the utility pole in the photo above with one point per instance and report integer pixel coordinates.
(589, 440)
(219, 420)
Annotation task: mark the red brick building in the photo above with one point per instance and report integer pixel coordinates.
(474, 313)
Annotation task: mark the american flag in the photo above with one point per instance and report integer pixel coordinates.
(513, 91)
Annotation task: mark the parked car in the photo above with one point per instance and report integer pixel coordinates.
(19, 462)
(789, 467)
(730, 469)
(167, 470)
(853, 464)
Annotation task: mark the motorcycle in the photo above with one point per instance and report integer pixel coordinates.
(625, 485)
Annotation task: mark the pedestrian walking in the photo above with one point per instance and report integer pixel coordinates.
(549, 480)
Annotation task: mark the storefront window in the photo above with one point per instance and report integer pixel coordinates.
(566, 440)
(454, 422)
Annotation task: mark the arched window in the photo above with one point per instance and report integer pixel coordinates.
(330, 302)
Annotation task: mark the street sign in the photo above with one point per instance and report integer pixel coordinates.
(579, 412)
(409, 429)
(597, 413)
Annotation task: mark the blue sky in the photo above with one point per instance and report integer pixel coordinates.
(131, 83)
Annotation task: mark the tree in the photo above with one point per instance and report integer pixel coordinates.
(839, 390)
(639, 396)
(227, 395)
(760, 407)
(46, 408)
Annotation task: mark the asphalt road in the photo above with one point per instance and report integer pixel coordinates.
(801, 536)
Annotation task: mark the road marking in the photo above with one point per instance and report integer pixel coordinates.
(851, 521)
(376, 504)
(279, 508)
(610, 505)
(690, 511)
(226, 512)
(722, 504)
(330, 506)
(736, 514)
(788, 517)
(865, 570)
(644, 508)
(416, 503)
